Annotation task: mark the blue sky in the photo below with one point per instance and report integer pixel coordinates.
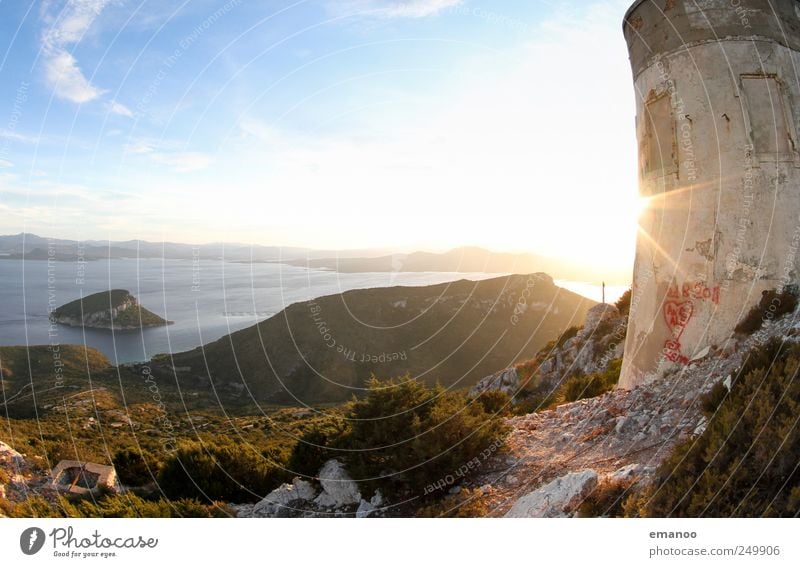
(406, 124)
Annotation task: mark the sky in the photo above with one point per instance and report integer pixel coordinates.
(402, 124)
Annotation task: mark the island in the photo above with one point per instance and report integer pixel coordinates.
(115, 309)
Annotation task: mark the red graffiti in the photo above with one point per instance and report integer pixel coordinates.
(677, 314)
(694, 290)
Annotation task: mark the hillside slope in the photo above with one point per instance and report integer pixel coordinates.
(326, 349)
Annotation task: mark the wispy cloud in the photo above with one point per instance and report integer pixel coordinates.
(163, 154)
(5, 163)
(65, 29)
(119, 108)
(394, 8)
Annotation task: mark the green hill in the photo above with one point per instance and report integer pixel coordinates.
(325, 350)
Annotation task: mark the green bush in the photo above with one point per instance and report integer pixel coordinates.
(494, 402)
(317, 445)
(230, 472)
(134, 467)
(117, 506)
(566, 335)
(607, 500)
(581, 386)
(772, 305)
(745, 462)
(468, 503)
(623, 304)
(405, 436)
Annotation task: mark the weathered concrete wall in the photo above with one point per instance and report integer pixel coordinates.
(718, 96)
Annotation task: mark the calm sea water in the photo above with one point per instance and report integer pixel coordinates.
(206, 299)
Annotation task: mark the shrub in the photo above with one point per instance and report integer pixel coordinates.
(607, 500)
(623, 304)
(745, 462)
(134, 467)
(117, 506)
(494, 402)
(566, 335)
(219, 472)
(406, 436)
(316, 446)
(581, 386)
(772, 305)
(466, 504)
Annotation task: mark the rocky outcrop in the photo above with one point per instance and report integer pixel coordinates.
(336, 495)
(559, 498)
(338, 489)
(505, 381)
(598, 342)
(622, 436)
(279, 502)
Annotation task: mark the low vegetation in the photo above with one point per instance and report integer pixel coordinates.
(745, 462)
(773, 305)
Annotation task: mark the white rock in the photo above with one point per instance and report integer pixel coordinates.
(335, 481)
(7, 453)
(377, 499)
(275, 501)
(701, 426)
(702, 353)
(728, 382)
(557, 499)
(365, 509)
(626, 473)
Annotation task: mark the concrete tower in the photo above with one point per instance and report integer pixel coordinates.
(717, 121)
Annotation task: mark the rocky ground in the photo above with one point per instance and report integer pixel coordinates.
(620, 435)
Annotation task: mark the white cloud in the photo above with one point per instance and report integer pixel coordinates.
(395, 8)
(62, 73)
(5, 163)
(119, 108)
(163, 153)
(68, 28)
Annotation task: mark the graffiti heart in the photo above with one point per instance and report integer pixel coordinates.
(677, 315)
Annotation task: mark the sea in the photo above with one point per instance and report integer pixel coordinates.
(206, 299)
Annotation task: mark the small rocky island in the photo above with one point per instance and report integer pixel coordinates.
(115, 309)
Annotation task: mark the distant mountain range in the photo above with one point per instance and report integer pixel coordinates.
(326, 349)
(462, 260)
(459, 260)
(33, 247)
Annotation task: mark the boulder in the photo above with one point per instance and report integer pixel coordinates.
(276, 502)
(337, 486)
(506, 381)
(557, 499)
(595, 316)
